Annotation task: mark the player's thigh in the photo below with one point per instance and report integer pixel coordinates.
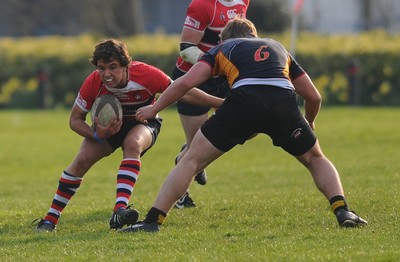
(138, 139)
(191, 124)
(89, 153)
(202, 152)
(314, 152)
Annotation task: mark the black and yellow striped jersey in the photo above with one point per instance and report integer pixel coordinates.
(253, 61)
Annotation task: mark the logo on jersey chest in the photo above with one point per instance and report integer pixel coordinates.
(128, 97)
(222, 16)
(232, 13)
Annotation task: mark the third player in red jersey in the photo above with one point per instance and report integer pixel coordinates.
(204, 21)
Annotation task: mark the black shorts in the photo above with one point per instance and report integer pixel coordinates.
(248, 110)
(154, 125)
(217, 86)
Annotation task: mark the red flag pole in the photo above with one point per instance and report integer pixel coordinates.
(295, 25)
(297, 6)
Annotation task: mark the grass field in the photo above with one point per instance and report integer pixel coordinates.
(259, 204)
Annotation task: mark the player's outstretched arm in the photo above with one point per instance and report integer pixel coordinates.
(199, 73)
(198, 97)
(312, 98)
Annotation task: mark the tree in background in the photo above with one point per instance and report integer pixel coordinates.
(114, 18)
(62, 17)
(269, 16)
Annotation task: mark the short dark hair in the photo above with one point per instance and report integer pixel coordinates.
(111, 49)
(239, 28)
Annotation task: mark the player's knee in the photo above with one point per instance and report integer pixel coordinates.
(81, 165)
(135, 147)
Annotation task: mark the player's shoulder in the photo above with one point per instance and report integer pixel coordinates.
(201, 4)
(271, 41)
(233, 3)
(138, 66)
(88, 91)
(139, 69)
(234, 41)
(92, 81)
(94, 76)
(134, 65)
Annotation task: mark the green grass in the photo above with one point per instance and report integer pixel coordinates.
(259, 204)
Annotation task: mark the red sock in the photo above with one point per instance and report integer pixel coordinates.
(67, 187)
(128, 174)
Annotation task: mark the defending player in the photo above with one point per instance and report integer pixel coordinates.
(204, 21)
(264, 80)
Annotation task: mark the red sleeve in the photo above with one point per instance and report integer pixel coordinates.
(155, 80)
(247, 3)
(159, 79)
(89, 91)
(199, 14)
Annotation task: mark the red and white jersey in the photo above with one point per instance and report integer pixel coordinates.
(144, 82)
(210, 17)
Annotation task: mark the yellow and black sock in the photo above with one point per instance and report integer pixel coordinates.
(338, 203)
(155, 215)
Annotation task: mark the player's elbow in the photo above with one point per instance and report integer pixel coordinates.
(315, 102)
(313, 96)
(75, 123)
(72, 124)
(316, 99)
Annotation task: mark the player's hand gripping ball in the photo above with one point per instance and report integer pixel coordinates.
(106, 108)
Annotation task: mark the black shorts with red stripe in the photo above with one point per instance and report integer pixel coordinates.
(253, 109)
(154, 126)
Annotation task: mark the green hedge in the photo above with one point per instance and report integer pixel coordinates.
(375, 56)
(48, 71)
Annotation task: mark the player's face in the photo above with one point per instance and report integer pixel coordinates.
(112, 74)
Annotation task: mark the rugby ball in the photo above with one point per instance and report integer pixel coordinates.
(106, 108)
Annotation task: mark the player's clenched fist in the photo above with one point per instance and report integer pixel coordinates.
(144, 113)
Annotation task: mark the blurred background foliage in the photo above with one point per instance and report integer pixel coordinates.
(45, 52)
(116, 18)
(48, 71)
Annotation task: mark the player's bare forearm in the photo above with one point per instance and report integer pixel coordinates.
(306, 89)
(198, 97)
(311, 112)
(77, 122)
(196, 75)
(80, 127)
(173, 93)
(312, 106)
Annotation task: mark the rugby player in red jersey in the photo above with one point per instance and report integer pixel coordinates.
(135, 84)
(203, 23)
